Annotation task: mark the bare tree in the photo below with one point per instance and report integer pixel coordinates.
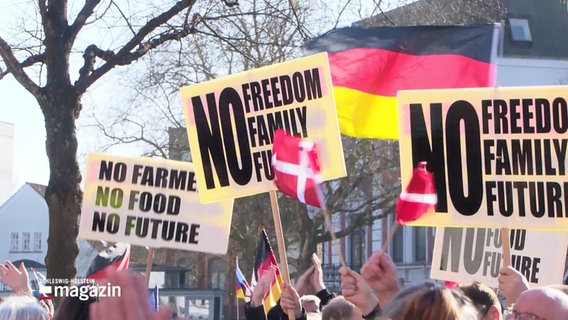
(255, 41)
(43, 55)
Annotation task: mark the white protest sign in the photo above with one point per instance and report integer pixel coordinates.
(462, 254)
(151, 202)
(498, 155)
(231, 122)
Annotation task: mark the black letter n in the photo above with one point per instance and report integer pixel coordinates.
(210, 141)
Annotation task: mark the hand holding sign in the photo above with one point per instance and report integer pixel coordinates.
(512, 283)
(290, 299)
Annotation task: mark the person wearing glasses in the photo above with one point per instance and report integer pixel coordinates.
(539, 304)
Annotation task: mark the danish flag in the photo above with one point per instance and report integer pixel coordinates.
(419, 196)
(296, 168)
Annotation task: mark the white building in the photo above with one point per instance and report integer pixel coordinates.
(24, 229)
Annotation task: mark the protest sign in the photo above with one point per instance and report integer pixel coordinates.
(151, 202)
(231, 120)
(462, 254)
(498, 155)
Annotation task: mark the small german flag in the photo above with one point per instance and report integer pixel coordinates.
(265, 261)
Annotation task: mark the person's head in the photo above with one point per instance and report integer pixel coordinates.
(22, 308)
(539, 304)
(310, 303)
(483, 298)
(339, 308)
(430, 301)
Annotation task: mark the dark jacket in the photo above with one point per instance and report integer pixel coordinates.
(275, 313)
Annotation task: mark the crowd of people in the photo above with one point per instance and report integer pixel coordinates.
(375, 293)
(372, 293)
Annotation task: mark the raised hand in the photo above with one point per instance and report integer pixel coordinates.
(356, 290)
(380, 273)
(133, 303)
(511, 283)
(262, 286)
(317, 276)
(304, 282)
(16, 278)
(290, 300)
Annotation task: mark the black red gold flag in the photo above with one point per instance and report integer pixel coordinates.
(369, 65)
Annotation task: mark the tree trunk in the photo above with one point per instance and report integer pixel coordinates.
(63, 194)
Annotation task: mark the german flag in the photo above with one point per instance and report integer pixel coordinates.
(369, 65)
(265, 261)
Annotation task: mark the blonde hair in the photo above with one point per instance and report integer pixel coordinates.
(22, 308)
(430, 301)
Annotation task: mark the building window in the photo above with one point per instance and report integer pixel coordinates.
(358, 248)
(14, 242)
(217, 272)
(420, 243)
(37, 241)
(26, 241)
(520, 30)
(397, 245)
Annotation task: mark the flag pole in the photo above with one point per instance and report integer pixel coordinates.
(333, 237)
(280, 243)
(236, 297)
(149, 260)
(506, 251)
(238, 316)
(391, 235)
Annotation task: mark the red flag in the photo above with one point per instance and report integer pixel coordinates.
(419, 196)
(296, 168)
(116, 256)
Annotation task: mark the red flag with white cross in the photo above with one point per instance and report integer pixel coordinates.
(419, 196)
(296, 168)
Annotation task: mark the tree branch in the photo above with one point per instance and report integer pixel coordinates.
(16, 69)
(231, 3)
(90, 55)
(43, 13)
(124, 17)
(82, 17)
(124, 55)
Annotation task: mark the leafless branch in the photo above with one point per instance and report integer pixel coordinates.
(231, 3)
(124, 17)
(81, 19)
(16, 69)
(124, 56)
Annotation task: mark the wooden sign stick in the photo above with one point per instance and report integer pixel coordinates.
(280, 242)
